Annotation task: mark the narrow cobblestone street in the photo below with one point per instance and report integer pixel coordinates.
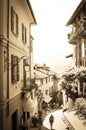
(61, 119)
(58, 122)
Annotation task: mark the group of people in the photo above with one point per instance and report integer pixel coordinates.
(37, 120)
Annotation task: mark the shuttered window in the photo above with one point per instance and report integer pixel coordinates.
(14, 69)
(24, 34)
(14, 22)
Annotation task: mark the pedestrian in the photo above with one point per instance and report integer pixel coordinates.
(51, 120)
(35, 120)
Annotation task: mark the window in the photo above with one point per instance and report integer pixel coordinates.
(46, 80)
(14, 22)
(49, 79)
(14, 68)
(24, 39)
(46, 91)
(42, 81)
(85, 52)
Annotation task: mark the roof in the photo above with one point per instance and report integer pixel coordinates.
(39, 74)
(78, 9)
(47, 99)
(30, 7)
(44, 73)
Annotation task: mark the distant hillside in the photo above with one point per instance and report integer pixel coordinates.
(59, 69)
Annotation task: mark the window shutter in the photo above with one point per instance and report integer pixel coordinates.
(17, 69)
(12, 19)
(12, 69)
(25, 35)
(22, 32)
(16, 24)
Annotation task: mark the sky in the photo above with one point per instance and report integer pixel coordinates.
(50, 34)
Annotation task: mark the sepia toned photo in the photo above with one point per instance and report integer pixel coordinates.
(42, 64)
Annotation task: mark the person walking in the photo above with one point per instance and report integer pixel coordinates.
(51, 120)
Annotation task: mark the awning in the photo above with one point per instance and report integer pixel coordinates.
(47, 99)
(28, 105)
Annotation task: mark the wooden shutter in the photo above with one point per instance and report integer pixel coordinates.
(12, 19)
(16, 24)
(12, 69)
(17, 69)
(25, 35)
(22, 32)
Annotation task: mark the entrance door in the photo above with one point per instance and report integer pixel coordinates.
(15, 120)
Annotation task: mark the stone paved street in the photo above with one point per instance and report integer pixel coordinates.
(58, 122)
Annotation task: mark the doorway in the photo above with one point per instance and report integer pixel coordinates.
(15, 120)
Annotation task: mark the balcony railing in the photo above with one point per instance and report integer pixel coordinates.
(72, 37)
(30, 85)
(81, 61)
(81, 29)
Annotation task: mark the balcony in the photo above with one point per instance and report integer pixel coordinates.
(29, 86)
(81, 61)
(81, 29)
(72, 37)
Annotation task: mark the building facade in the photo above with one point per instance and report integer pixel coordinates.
(15, 26)
(77, 37)
(46, 84)
(45, 79)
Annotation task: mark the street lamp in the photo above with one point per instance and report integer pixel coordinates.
(27, 67)
(8, 65)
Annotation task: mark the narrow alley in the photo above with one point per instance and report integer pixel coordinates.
(42, 65)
